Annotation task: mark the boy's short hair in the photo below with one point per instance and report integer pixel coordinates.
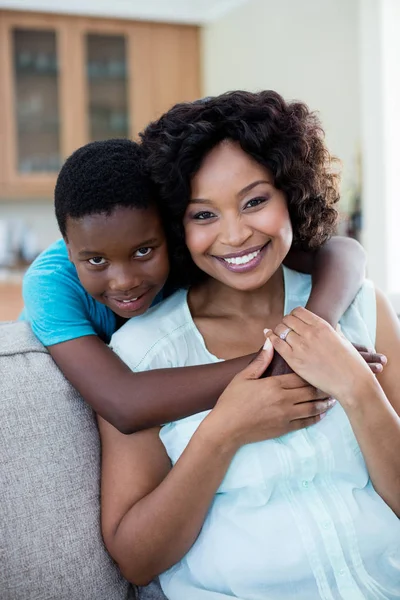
(99, 177)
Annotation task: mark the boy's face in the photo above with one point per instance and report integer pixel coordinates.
(121, 258)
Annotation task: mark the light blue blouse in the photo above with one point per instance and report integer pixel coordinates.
(295, 517)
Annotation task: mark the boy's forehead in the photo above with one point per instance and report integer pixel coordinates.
(123, 223)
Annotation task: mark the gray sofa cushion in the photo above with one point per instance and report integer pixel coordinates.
(50, 541)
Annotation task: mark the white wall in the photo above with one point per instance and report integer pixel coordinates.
(303, 49)
(36, 215)
(380, 101)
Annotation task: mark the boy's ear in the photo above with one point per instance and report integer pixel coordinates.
(68, 249)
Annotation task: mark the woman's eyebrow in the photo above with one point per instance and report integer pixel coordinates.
(252, 185)
(241, 193)
(199, 201)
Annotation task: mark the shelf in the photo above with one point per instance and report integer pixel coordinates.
(29, 72)
(107, 77)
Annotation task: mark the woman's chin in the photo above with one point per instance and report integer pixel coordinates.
(250, 282)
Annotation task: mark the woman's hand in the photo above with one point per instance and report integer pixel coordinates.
(323, 357)
(252, 409)
(279, 366)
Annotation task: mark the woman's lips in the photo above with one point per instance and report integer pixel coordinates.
(243, 263)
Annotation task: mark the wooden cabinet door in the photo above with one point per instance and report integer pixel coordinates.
(165, 62)
(33, 76)
(68, 80)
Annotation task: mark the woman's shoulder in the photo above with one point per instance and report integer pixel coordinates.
(153, 340)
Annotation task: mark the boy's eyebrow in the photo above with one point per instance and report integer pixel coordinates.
(143, 244)
(241, 193)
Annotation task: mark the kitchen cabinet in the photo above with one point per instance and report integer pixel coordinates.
(68, 80)
(11, 302)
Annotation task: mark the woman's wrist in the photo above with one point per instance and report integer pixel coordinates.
(217, 435)
(358, 394)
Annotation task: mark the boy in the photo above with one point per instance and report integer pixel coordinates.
(111, 265)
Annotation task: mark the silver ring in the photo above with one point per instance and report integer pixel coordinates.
(285, 333)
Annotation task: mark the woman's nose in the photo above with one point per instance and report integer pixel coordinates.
(234, 232)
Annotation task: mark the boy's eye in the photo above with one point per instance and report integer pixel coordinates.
(97, 261)
(255, 202)
(143, 252)
(203, 215)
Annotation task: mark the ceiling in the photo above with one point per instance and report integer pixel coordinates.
(176, 11)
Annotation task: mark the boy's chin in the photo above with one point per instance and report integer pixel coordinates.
(130, 314)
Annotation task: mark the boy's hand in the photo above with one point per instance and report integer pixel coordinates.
(278, 366)
(375, 361)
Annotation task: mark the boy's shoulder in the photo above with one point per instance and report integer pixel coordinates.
(57, 305)
(160, 329)
(53, 259)
(52, 270)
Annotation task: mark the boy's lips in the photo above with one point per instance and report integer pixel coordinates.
(129, 304)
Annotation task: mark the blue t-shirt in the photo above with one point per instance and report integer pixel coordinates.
(57, 306)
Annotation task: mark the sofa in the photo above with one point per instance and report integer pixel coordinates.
(50, 540)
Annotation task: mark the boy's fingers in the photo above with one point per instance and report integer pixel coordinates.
(376, 367)
(360, 348)
(373, 357)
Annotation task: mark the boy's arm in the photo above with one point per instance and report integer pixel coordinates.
(338, 271)
(135, 401)
(57, 307)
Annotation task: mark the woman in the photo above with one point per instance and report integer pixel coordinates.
(208, 502)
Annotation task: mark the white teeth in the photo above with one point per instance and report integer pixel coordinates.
(242, 260)
(131, 300)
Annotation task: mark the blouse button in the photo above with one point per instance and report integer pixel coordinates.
(326, 524)
(342, 572)
(305, 483)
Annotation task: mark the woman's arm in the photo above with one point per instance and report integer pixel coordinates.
(152, 513)
(328, 361)
(338, 271)
(374, 410)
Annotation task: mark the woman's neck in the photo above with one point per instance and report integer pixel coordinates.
(214, 298)
(221, 313)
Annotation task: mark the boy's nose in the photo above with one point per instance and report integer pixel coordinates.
(124, 281)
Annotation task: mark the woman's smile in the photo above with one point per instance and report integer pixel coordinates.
(244, 261)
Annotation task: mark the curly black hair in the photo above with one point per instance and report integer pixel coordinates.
(285, 137)
(99, 177)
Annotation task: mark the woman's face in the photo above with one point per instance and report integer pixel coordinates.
(237, 224)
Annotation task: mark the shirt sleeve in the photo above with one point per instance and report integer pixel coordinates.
(56, 307)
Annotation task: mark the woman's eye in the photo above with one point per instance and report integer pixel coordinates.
(255, 202)
(97, 261)
(203, 215)
(143, 252)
